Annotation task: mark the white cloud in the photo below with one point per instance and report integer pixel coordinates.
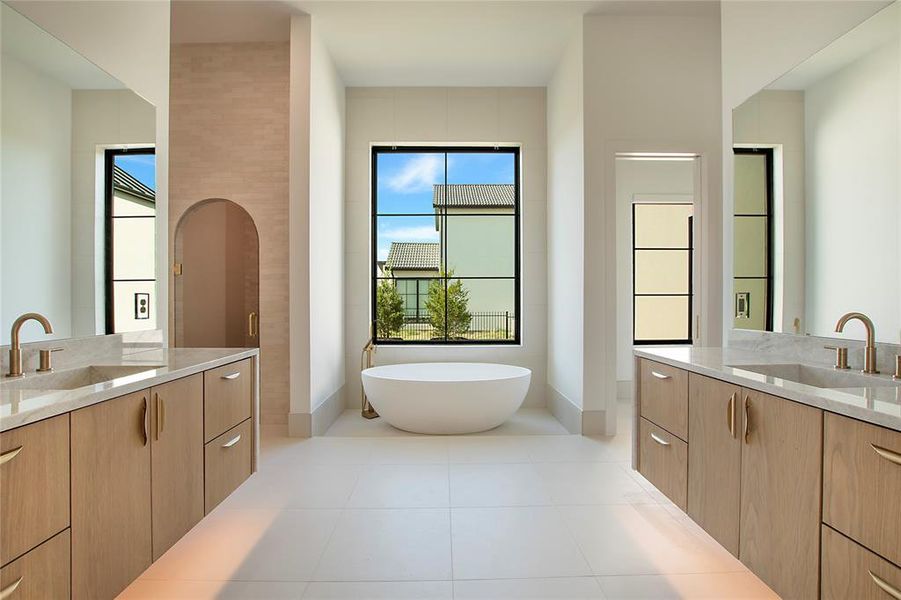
(418, 174)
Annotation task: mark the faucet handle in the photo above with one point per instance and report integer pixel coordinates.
(841, 356)
(45, 359)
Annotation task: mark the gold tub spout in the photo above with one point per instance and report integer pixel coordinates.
(366, 362)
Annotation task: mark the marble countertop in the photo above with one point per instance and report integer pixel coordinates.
(20, 405)
(877, 404)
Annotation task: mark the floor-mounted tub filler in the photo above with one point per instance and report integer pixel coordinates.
(446, 398)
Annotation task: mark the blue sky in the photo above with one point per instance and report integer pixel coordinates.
(405, 186)
(140, 166)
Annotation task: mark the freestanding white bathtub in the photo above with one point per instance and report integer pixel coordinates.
(446, 398)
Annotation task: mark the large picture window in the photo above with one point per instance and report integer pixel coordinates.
(445, 245)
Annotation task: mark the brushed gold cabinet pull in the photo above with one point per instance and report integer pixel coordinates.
(234, 375)
(144, 422)
(8, 590)
(9, 455)
(889, 455)
(160, 415)
(252, 327)
(730, 418)
(747, 427)
(885, 586)
(232, 441)
(659, 439)
(660, 375)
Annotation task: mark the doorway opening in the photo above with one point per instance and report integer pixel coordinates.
(217, 277)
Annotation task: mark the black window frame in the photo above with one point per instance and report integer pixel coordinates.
(691, 286)
(513, 150)
(769, 160)
(109, 161)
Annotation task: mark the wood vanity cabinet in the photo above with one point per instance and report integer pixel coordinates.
(862, 484)
(714, 458)
(111, 507)
(664, 461)
(664, 397)
(228, 394)
(781, 487)
(34, 485)
(852, 571)
(229, 461)
(176, 451)
(42, 574)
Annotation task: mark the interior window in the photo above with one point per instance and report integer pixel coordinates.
(445, 235)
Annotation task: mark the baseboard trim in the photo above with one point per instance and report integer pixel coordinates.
(328, 412)
(564, 410)
(594, 422)
(300, 425)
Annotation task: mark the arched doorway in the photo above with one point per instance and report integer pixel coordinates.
(217, 281)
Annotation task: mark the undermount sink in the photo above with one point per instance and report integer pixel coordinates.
(72, 379)
(818, 376)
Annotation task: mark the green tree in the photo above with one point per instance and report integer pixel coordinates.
(457, 315)
(389, 305)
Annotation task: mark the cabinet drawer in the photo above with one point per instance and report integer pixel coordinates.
(851, 571)
(227, 461)
(41, 574)
(862, 484)
(227, 397)
(664, 397)
(34, 485)
(663, 460)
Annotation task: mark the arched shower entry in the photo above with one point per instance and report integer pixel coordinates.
(217, 277)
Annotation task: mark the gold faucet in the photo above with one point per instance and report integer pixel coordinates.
(15, 351)
(366, 361)
(869, 363)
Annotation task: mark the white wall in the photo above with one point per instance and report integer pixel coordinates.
(35, 201)
(665, 181)
(326, 258)
(100, 119)
(782, 34)
(775, 119)
(130, 41)
(652, 84)
(854, 202)
(438, 116)
(565, 244)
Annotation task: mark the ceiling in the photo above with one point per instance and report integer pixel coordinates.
(878, 30)
(436, 43)
(421, 42)
(31, 45)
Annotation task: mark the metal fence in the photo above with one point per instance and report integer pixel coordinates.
(482, 326)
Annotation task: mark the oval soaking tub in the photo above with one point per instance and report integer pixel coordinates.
(446, 398)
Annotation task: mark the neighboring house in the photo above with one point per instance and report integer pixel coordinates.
(413, 265)
(479, 242)
(126, 189)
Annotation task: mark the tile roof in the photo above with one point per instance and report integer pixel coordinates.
(414, 256)
(474, 195)
(125, 182)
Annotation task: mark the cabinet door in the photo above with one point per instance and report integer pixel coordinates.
(781, 486)
(714, 458)
(177, 459)
(110, 495)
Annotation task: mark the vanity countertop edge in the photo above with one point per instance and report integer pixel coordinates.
(164, 365)
(877, 405)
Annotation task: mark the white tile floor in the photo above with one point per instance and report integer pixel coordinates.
(373, 513)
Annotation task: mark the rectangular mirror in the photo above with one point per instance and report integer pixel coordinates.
(817, 190)
(77, 194)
